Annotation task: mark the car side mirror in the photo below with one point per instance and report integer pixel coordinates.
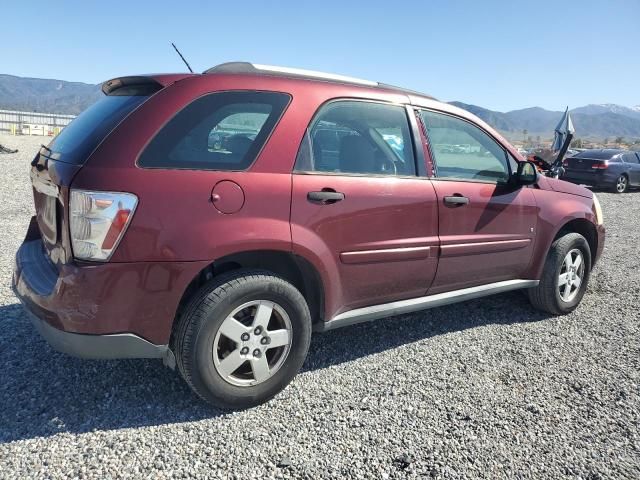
(526, 174)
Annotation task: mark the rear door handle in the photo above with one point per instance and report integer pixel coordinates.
(325, 197)
(456, 200)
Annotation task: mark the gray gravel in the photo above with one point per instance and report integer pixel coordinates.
(490, 388)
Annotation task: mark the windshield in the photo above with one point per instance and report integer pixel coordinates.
(76, 141)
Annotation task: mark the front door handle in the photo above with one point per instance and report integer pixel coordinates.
(325, 197)
(456, 200)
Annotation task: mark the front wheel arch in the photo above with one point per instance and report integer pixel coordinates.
(585, 228)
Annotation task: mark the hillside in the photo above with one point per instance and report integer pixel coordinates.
(43, 95)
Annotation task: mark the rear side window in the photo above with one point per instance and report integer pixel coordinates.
(78, 139)
(220, 131)
(463, 151)
(360, 137)
(631, 158)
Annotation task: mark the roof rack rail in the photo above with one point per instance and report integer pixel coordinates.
(246, 67)
(258, 69)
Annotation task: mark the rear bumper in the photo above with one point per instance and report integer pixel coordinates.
(110, 310)
(121, 345)
(596, 179)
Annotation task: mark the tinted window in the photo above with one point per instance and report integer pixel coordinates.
(631, 158)
(78, 139)
(358, 137)
(462, 150)
(220, 131)
(513, 163)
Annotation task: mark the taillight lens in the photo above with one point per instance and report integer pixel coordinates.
(600, 165)
(98, 221)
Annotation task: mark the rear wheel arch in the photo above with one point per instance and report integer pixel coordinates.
(293, 268)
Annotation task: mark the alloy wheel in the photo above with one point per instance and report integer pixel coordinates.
(571, 275)
(252, 343)
(621, 184)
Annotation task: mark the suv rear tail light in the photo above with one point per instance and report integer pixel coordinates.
(600, 165)
(98, 221)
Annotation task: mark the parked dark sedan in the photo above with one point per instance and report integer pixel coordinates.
(607, 168)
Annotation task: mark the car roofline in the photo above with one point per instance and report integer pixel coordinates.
(247, 68)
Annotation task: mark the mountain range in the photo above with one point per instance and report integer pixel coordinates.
(46, 96)
(590, 121)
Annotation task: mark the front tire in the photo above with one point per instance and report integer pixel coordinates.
(242, 338)
(565, 276)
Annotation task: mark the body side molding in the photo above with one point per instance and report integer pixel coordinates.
(385, 255)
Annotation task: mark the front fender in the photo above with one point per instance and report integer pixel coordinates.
(556, 211)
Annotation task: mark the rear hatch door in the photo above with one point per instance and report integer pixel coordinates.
(55, 165)
(50, 180)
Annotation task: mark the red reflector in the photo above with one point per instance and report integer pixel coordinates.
(116, 228)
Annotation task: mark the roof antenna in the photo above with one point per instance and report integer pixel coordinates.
(185, 62)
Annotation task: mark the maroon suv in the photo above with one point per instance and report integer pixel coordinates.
(215, 220)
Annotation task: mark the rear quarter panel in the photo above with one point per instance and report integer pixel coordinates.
(175, 219)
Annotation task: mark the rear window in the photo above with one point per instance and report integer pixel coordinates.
(78, 139)
(220, 131)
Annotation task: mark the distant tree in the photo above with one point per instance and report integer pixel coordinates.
(619, 140)
(524, 135)
(538, 139)
(606, 140)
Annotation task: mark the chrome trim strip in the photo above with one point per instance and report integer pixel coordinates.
(376, 312)
(475, 248)
(385, 255)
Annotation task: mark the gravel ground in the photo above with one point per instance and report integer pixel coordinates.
(489, 388)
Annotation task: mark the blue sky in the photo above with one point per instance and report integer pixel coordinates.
(501, 55)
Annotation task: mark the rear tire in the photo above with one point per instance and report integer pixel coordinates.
(220, 352)
(558, 292)
(621, 185)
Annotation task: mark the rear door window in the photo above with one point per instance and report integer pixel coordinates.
(220, 131)
(358, 137)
